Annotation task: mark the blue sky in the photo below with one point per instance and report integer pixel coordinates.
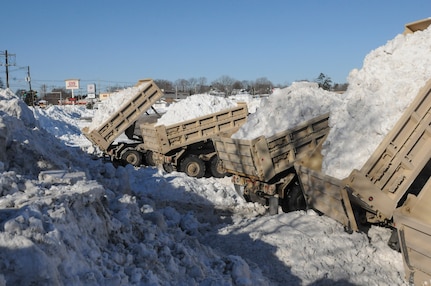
(119, 42)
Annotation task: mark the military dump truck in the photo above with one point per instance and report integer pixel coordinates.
(263, 168)
(392, 189)
(185, 146)
(104, 136)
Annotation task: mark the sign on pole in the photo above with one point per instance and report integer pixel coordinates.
(72, 84)
(91, 90)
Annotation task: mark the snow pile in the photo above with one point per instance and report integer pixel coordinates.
(53, 118)
(85, 235)
(28, 149)
(253, 102)
(360, 118)
(286, 108)
(376, 98)
(194, 106)
(114, 102)
(91, 230)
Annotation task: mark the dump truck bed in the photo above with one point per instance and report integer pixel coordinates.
(162, 139)
(397, 162)
(417, 26)
(263, 158)
(400, 164)
(327, 195)
(147, 94)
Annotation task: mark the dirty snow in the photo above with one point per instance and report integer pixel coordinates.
(93, 224)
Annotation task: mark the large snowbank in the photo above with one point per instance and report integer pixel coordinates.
(377, 95)
(286, 108)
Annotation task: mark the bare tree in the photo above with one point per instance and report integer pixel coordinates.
(193, 82)
(166, 85)
(262, 85)
(183, 85)
(202, 84)
(237, 85)
(224, 83)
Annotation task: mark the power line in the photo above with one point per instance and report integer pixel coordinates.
(7, 64)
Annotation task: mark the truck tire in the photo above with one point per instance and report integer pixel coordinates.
(216, 168)
(168, 167)
(193, 166)
(132, 157)
(294, 199)
(149, 158)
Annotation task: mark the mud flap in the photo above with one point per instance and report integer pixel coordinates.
(327, 194)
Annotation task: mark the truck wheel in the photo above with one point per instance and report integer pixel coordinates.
(216, 168)
(193, 166)
(293, 200)
(168, 167)
(132, 157)
(149, 158)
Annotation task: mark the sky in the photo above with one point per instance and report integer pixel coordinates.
(108, 43)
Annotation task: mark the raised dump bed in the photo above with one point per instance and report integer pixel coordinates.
(417, 26)
(147, 94)
(399, 162)
(263, 158)
(163, 139)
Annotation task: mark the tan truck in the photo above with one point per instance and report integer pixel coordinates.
(392, 189)
(263, 168)
(185, 146)
(148, 93)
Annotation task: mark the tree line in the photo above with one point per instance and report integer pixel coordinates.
(223, 85)
(228, 85)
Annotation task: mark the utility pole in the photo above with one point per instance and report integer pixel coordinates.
(28, 77)
(7, 64)
(29, 84)
(7, 69)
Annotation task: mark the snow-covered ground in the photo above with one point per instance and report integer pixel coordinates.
(142, 226)
(94, 224)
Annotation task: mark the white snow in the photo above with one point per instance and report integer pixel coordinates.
(360, 118)
(113, 103)
(67, 219)
(194, 106)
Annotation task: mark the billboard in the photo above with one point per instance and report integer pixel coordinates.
(72, 83)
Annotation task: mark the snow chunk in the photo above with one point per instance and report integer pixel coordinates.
(194, 106)
(286, 108)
